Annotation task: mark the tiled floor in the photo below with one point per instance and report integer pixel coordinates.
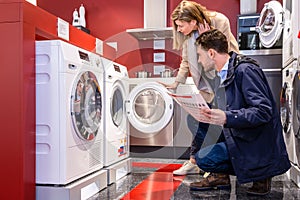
(282, 188)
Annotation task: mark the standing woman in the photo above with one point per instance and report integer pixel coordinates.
(189, 20)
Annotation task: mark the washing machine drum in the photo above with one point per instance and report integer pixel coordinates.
(150, 107)
(270, 24)
(296, 101)
(116, 109)
(86, 106)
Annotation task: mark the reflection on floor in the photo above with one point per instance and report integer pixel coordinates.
(152, 179)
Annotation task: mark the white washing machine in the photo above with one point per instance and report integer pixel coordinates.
(275, 19)
(69, 112)
(295, 169)
(149, 110)
(296, 114)
(276, 22)
(286, 109)
(270, 23)
(116, 134)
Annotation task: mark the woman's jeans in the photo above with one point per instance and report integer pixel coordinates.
(214, 158)
(200, 130)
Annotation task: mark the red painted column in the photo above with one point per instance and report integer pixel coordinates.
(17, 104)
(20, 24)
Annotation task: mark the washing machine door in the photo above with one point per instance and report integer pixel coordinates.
(117, 109)
(296, 115)
(285, 107)
(296, 102)
(86, 106)
(270, 23)
(149, 108)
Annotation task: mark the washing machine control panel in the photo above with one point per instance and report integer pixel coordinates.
(84, 56)
(92, 60)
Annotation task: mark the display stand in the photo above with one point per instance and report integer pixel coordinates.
(81, 189)
(118, 170)
(294, 174)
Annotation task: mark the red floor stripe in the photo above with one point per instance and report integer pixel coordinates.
(159, 185)
(148, 164)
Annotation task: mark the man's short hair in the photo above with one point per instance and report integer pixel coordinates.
(213, 39)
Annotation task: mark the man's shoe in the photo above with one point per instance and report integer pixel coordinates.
(260, 188)
(188, 168)
(213, 181)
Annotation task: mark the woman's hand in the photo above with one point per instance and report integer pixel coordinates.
(203, 27)
(172, 86)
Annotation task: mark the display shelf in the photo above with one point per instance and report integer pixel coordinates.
(46, 28)
(151, 33)
(259, 52)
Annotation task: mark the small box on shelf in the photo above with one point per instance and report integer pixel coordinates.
(83, 29)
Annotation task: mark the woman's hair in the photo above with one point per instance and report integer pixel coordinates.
(187, 11)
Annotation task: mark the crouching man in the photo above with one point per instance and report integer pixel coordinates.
(251, 144)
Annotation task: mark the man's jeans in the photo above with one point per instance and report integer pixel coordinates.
(214, 158)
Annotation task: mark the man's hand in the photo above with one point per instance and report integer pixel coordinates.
(216, 116)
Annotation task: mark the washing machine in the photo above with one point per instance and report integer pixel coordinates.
(185, 126)
(295, 169)
(275, 19)
(149, 109)
(116, 133)
(296, 114)
(69, 113)
(280, 22)
(287, 109)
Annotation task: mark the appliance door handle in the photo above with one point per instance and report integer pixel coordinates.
(127, 108)
(272, 70)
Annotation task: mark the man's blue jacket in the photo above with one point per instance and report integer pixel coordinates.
(253, 131)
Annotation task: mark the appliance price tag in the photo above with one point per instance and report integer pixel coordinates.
(159, 44)
(159, 57)
(99, 46)
(62, 29)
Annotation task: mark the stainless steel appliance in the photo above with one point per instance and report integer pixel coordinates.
(184, 124)
(248, 37)
(270, 61)
(150, 112)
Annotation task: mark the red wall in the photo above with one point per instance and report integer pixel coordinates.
(108, 20)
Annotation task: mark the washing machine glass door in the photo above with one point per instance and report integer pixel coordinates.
(296, 102)
(86, 105)
(270, 23)
(285, 111)
(117, 105)
(150, 107)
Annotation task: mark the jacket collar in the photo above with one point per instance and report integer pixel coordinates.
(234, 61)
(230, 73)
